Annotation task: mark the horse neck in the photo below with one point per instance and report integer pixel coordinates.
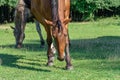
(61, 9)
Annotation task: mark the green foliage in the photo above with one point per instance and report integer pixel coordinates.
(88, 7)
(8, 2)
(91, 5)
(12, 2)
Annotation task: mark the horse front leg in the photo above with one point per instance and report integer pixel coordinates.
(67, 55)
(51, 49)
(40, 33)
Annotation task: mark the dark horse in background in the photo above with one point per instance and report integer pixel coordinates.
(22, 13)
(54, 16)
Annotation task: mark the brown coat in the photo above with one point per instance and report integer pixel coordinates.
(42, 10)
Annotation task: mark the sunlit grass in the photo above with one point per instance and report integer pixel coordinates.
(95, 53)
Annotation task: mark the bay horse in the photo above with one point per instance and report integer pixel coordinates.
(54, 16)
(22, 13)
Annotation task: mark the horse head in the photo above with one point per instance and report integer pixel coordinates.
(60, 35)
(18, 39)
(19, 21)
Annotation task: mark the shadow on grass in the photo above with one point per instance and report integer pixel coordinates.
(106, 47)
(31, 46)
(11, 61)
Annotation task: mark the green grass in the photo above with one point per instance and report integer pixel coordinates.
(95, 53)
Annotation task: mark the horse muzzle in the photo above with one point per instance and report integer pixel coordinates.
(18, 45)
(61, 58)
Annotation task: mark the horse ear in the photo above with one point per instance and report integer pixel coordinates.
(66, 21)
(12, 27)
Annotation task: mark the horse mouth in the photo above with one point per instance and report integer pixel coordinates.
(60, 59)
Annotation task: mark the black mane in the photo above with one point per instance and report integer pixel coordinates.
(55, 18)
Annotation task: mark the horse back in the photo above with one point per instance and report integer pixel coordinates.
(41, 8)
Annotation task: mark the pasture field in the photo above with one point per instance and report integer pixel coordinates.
(95, 53)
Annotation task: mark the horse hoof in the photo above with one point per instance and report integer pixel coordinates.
(50, 64)
(69, 67)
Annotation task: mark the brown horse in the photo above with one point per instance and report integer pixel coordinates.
(54, 16)
(22, 12)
